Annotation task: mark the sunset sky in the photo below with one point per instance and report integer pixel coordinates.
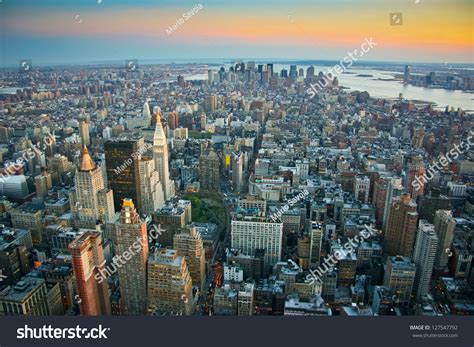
(79, 31)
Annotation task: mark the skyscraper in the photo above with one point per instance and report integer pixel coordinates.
(152, 197)
(406, 75)
(401, 228)
(160, 154)
(250, 234)
(189, 244)
(146, 110)
(444, 225)
(424, 257)
(399, 277)
(88, 264)
(129, 235)
(394, 189)
(84, 133)
(169, 284)
(210, 103)
(316, 242)
(122, 166)
(90, 201)
(209, 170)
(237, 171)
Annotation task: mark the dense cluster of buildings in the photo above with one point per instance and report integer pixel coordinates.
(146, 196)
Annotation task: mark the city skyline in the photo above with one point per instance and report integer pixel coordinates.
(103, 30)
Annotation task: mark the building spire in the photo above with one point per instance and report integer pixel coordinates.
(87, 163)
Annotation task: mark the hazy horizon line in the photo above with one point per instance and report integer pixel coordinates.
(224, 61)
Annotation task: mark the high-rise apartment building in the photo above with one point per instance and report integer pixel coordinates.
(424, 257)
(400, 277)
(90, 201)
(249, 234)
(316, 236)
(433, 202)
(209, 170)
(394, 189)
(401, 228)
(129, 235)
(210, 103)
(88, 263)
(169, 284)
(189, 244)
(172, 219)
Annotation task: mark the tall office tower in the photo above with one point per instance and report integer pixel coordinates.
(210, 103)
(433, 202)
(237, 171)
(90, 201)
(270, 69)
(424, 257)
(49, 143)
(84, 133)
(394, 189)
(417, 142)
(189, 245)
(444, 225)
(303, 250)
(88, 263)
(310, 72)
(400, 277)
(329, 285)
(203, 121)
(61, 165)
(293, 72)
(146, 110)
(210, 77)
(316, 244)
(129, 235)
(249, 234)
(173, 120)
(122, 169)
(43, 183)
(209, 165)
(378, 198)
(406, 76)
(160, 154)
(181, 81)
(169, 284)
(417, 170)
(401, 228)
(152, 196)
